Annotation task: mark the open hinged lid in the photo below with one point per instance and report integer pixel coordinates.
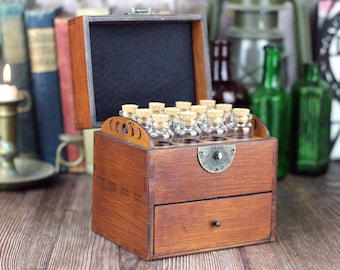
(136, 59)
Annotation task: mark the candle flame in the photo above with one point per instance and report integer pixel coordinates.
(7, 74)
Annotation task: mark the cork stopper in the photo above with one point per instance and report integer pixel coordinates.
(241, 111)
(171, 110)
(226, 107)
(188, 115)
(188, 118)
(160, 120)
(160, 117)
(198, 108)
(129, 108)
(215, 116)
(183, 105)
(241, 114)
(143, 112)
(210, 103)
(156, 106)
(214, 113)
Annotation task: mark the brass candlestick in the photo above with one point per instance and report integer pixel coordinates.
(8, 137)
(16, 172)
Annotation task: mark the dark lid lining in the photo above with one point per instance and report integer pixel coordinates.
(140, 62)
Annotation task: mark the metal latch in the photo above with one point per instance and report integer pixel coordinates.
(141, 11)
(216, 159)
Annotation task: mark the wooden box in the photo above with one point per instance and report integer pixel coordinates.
(160, 202)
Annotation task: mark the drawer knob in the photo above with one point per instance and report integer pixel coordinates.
(218, 155)
(216, 223)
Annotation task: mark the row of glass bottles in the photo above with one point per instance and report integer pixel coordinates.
(187, 123)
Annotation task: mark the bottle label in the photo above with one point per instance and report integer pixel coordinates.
(42, 50)
(14, 45)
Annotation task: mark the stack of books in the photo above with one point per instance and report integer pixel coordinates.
(35, 44)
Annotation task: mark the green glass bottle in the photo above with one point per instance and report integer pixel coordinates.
(312, 101)
(272, 104)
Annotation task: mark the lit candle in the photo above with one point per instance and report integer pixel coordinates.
(7, 91)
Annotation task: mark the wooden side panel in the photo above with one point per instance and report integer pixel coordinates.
(79, 74)
(190, 227)
(178, 176)
(260, 130)
(201, 60)
(127, 130)
(120, 200)
(274, 204)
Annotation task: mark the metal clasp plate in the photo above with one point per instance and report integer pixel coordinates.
(141, 11)
(216, 159)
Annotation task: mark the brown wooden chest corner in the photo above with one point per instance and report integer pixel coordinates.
(160, 202)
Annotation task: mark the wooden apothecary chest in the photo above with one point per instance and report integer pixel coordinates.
(154, 201)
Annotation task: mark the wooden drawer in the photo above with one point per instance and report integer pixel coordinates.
(177, 176)
(184, 227)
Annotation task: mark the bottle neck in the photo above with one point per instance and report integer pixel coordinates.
(272, 67)
(312, 72)
(161, 125)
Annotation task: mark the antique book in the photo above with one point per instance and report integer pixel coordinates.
(65, 82)
(45, 81)
(92, 11)
(14, 49)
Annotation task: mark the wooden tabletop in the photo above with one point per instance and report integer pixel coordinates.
(49, 227)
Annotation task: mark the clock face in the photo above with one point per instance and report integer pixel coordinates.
(329, 58)
(329, 53)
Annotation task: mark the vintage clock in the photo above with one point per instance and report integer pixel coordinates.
(329, 58)
(329, 53)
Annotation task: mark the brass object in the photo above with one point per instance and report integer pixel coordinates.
(16, 172)
(68, 139)
(27, 172)
(216, 159)
(8, 121)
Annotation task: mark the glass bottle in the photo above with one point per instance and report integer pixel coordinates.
(215, 130)
(312, 100)
(241, 126)
(187, 131)
(161, 134)
(144, 118)
(272, 104)
(201, 115)
(209, 103)
(226, 108)
(129, 111)
(173, 113)
(226, 90)
(156, 107)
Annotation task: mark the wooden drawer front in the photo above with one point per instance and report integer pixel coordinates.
(178, 176)
(188, 227)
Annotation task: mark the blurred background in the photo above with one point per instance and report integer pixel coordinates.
(307, 30)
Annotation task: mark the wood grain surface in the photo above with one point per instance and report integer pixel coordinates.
(49, 227)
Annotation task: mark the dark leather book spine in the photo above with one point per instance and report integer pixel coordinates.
(45, 81)
(14, 49)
